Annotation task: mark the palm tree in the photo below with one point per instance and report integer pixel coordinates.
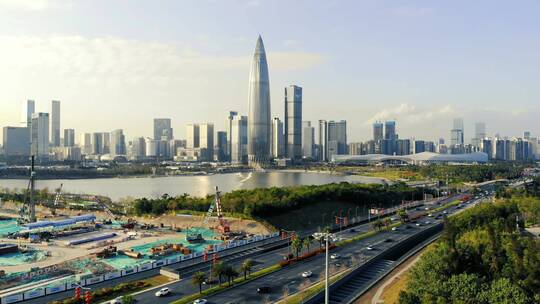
(403, 215)
(377, 225)
(297, 245)
(387, 222)
(198, 278)
(307, 243)
(246, 267)
(230, 273)
(218, 270)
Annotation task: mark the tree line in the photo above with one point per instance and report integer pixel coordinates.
(482, 257)
(263, 202)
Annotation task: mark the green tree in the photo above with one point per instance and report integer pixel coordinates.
(230, 273)
(306, 243)
(128, 299)
(296, 245)
(246, 267)
(503, 291)
(198, 278)
(218, 271)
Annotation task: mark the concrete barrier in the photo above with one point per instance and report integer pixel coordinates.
(112, 275)
(55, 289)
(129, 271)
(145, 266)
(13, 298)
(159, 263)
(94, 280)
(34, 293)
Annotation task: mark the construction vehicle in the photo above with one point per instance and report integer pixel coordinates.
(223, 226)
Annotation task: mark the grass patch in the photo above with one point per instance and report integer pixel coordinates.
(213, 290)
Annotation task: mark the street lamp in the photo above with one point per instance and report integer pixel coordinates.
(327, 236)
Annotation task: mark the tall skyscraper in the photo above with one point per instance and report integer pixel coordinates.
(192, 136)
(377, 130)
(28, 109)
(259, 128)
(293, 122)
(162, 129)
(277, 138)
(322, 142)
(390, 130)
(308, 140)
(479, 134)
(221, 146)
(137, 149)
(206, 140)
(86, 144)
(230, 118)
(55, 123)
(239, 139)
(97, 143)
(40, 135)
(118, 142)
(69, 138)
(457, 133)
(337, 138)
(16, 141)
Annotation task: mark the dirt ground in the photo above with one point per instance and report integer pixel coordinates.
(387, 290)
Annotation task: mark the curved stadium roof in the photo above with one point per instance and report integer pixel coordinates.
(424, 157)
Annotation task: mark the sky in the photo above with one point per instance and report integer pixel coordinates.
(119, 64)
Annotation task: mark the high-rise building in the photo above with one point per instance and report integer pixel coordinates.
(527, 135)
(419, 146)
(308, 140)
(230, 118)
(277, 138)
(118, 142)
(239, 139)
(151, 146)
(137, 149)
(390, 130)
(479, 134)
(69, 138)
(221, 146)
(40, 135)
(206, 141)
(259, 125)
(322, 148)
(293, 122)
(55, 123)
(192, 136)
(162, 129)
(337, 138)
(97, 143)
(16, 141)
(457, 136)
(403, 147)
(377, 130)
(28, 109)
(86, 144)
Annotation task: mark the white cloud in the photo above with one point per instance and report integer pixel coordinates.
(412, 114)
(32, 5)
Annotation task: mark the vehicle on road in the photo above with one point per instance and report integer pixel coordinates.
(335, 256)
(445, 212)
(393, 218)
(418, 224)
(117, 300)
(307, 274)
(163, 292)
(394, 228)
(263, 289)
(352, 230)
(369, 247)
(430, 215)
(388, 240)
(338, 264)
(200, 301)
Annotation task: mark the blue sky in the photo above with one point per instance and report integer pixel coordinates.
(118, 64)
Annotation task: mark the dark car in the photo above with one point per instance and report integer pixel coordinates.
(263, 289)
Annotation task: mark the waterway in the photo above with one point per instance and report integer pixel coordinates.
(117, 188)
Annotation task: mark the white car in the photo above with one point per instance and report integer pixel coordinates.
(307, 274)
(430, 215)
(445, 212)
(393, 218)
(418, 224)
(200, 301)
(117, 300)
(335, 256)
(394, 228)
(163, 292)
(369, 248)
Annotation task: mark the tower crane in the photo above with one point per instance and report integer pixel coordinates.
(224, 226)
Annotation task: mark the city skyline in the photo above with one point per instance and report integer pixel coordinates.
(500, 90)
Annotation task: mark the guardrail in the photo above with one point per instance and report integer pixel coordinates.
(60, 285)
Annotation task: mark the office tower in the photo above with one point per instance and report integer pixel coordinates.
(390, 130)
(206, 141)
(486, 146)
(337, 138)
(259, 128)
(118, 142)
(479, 134)
(151, 146)
(277, 138)
(55, 123)
(293, 122)
(192, 135)
(419, 146)
(526, 135)
(16, 141)
(106, 142)
(239, 139)
(86, 143)
(162, 129)
(355, 148)
(40, 135)
(69, 138)
(322, 142)
(28, 109)
(377, 130)
(137, 149)
(97, 143)
(308, 140)
(457, 133)
(228, 128)
(220, 150)
(403, 147)
(174, 145)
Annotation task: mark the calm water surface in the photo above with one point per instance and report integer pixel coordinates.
(117, 188)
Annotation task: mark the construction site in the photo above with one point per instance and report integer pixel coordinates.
(47, 249)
